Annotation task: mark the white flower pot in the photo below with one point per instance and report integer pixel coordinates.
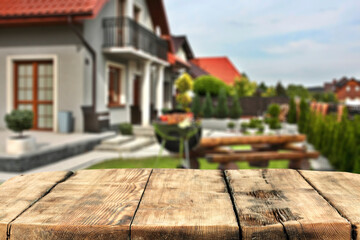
(18, 146)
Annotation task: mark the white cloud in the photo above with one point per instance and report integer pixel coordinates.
(303, 41)
(296, 47)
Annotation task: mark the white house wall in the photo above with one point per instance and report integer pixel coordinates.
(145, 18)
(20, 43)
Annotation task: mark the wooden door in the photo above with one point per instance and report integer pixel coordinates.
(33, 90)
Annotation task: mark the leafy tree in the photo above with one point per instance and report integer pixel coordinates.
(292, 114)
(297, 91)
(326, 97)
(196, 106)
(19, 121)
(280, 90)
(244, 87)
(262, 87)
(222, 110)
(270, 92)
(208, 84)
(235, 110)
(208, 111)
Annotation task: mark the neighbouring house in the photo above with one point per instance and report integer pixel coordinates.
(220, 67)
(106, 61)
(348, 91)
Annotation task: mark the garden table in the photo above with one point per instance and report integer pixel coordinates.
(181, 204)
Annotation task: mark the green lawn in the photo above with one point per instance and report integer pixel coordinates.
(167, 162)
(172, 163)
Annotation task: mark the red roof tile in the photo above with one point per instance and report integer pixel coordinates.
(220, 67)
(49, 8)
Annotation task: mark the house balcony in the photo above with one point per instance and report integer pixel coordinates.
(124, 36)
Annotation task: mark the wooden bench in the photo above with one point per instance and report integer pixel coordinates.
(181, 204)
(263, 149)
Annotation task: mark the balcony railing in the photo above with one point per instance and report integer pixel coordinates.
(125, 32)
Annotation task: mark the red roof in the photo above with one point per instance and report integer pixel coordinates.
(220, 67)
(10, 10)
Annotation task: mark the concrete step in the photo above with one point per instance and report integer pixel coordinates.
(140, 131)
(133, 145)
(152, 150)
(118, 140)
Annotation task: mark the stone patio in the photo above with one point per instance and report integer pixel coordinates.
(52, 147)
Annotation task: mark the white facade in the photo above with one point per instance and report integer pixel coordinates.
(73, 67)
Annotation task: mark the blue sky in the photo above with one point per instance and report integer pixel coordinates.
(304, 42)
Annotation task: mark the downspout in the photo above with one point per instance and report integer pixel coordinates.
(93, 57)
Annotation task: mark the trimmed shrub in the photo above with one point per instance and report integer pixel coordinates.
(184, 83)
(196, 106)
(183, 100)
(231, 125)
(304, 112)
(222, 110)
(274, 123)
(235, 109)
(255, 123)
(243, 127)
(208, 111)
(260, 129)
(292, 114)
(274, 110)
(273, 120)
(19, 121)
(126, 128)
(208, 84)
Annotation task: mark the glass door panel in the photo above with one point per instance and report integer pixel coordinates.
(34, 91)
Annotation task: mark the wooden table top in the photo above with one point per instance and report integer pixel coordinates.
(181, 204)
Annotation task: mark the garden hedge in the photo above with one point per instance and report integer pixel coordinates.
(337, 141)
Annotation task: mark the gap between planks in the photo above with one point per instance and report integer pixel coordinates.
(353, 227)
(66, 177)
(138, 206)
(230, 192)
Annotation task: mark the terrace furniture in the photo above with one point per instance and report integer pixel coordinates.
(263, 149)
(181, 204)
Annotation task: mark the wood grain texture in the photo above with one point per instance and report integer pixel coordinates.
(18, 193)
(185, 204)
(341, 190)
(280, 204)
(260, 156)
(228, 141)
(92, 204)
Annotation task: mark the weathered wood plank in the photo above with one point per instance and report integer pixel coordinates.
(185, 204)
(18, 193)
(260, 156)
(228, 141)
(280, 204)
(92, 204)
(341, 190)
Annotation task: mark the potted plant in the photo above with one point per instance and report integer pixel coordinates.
(231, 126)
(244, 127)
(19, 121)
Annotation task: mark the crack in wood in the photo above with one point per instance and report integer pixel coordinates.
(138, 206)
(66, 177)
(353, 227)
(231, 194)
